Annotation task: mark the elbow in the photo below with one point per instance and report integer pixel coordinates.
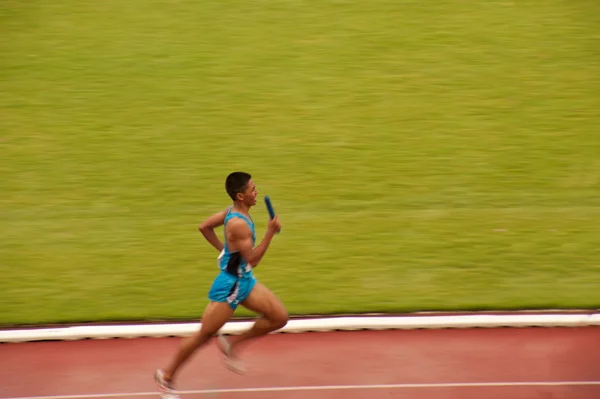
(253, 261)
(203, 228)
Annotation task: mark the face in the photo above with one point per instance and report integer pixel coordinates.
(249, 195)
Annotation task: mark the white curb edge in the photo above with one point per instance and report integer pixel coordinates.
(306, 325)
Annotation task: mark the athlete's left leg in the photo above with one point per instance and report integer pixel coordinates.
(273, 315)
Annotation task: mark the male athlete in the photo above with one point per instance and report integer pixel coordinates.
(234, 285)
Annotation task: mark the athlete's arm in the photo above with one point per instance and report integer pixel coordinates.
(207, 228)
(240, 237)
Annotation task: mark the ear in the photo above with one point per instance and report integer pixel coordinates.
(239, 196)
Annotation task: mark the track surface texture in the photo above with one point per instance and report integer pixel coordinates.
(516, 363)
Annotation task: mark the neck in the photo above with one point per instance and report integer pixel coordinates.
(241, 208)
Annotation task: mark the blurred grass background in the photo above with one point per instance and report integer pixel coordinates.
(422, 156)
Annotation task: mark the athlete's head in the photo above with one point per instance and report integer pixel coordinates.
(240, 187)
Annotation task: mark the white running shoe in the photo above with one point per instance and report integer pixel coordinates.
(166, 389)
(232, 363)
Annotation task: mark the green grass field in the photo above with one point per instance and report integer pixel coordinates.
(423, 156)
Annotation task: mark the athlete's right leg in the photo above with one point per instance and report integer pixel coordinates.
(218, 311)
(215, 316)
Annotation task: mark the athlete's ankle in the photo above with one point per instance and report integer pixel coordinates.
(168, 376)
(235, 341)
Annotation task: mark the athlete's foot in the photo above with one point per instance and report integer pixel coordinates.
(165, 387)
(231, 361)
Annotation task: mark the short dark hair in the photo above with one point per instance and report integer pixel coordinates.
(236, 182)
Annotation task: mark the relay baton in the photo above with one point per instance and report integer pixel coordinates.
(270, 207)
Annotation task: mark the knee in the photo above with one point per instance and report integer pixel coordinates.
(200, 338)
(280, 319)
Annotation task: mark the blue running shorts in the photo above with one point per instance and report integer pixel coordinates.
(231, 289)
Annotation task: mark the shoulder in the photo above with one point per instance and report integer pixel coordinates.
(238, 226)
(214, 220)
(222, 213)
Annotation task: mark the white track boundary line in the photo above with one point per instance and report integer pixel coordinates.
(332, 388)
(307, 325)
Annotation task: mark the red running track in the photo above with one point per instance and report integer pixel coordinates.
(467, 364)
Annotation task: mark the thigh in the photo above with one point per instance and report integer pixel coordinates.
(215, 316)
(262, 300)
